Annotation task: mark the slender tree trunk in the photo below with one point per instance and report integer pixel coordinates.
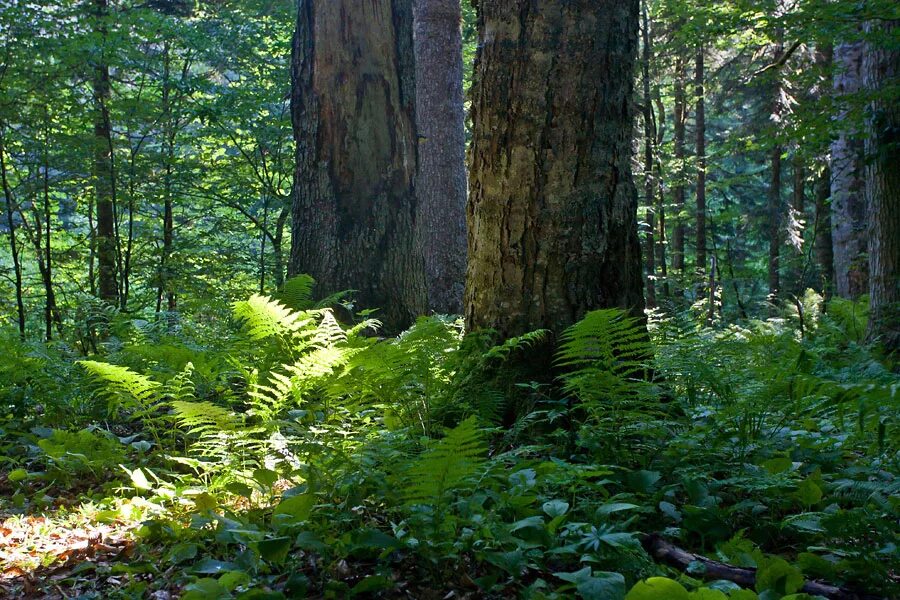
(164, 290)
(822, 222)
(104, 176)
(11, 225)
(775, 205)
(552, 206)
(848, 197)
(649, 184)
(679, 118)
(798, 221)
(701, 163)
(441, 179)
(880, 72)
(45, 262)
(353, 110)
(263, 232)
(278, 247)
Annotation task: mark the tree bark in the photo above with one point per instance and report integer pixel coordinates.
(552, 208)
(353, 113)
(880, 72)
(104, 175)
(13, 243)
(679, 117)
(774, 201)
(701, 163)
(649, 138)
(441, 178)
(822, 223)
(848, 197)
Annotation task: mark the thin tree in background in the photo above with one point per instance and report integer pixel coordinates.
(353, 113)
(441, 180)
(649, 173)
(552, 205)
(679, 117)
(699, 96)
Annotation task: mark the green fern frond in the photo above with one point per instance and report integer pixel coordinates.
(297, 292)
(447, 465)
(124, 386)
(263, 318)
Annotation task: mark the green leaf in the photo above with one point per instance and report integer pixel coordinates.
(232, 579)
(371, 584)
(658, 588)
(17, 475)
(205, 589)
(613, 507)
(138, 479)
(274, 550)
(556, 508)
(707, 594)
(602, 585)
(808, 493)
(265, 477)
(296, 508)
(776, 574)
(209, 566)
(778, 465)
(182, 553)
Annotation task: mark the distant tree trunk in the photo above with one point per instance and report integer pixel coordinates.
(701, 163)
(822, 223)
(278, 247)
(169, 131)
(11, 225)
(104, 174)
(679, 117)
(798, 222)
(441, 179)
(848, 197)
(775, 206)
(353, 113)
(649, 139)
(552, 206)
(880, 72)
(45, 258)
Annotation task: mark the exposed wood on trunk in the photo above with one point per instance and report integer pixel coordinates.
(552, 204)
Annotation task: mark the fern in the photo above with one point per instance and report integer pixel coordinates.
(297, 292)
(124, 387)
(263, 318)
(447, 465)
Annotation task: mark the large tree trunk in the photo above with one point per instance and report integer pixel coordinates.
(552, 207)
(701, 163)
(679, 118)
(880, 71)
(104, 175)
(848, 203)
(441, 180)
(353, 112)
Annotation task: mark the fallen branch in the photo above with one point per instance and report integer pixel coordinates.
(674, 556)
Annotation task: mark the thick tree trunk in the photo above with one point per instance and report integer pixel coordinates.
(880, 71)
(848, 202)
(104, 175)
(679, 117)
(701, 163)
(441, 179)
(353, 112)
(552, 207)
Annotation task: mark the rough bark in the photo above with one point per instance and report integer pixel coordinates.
(679, 117)
(552, 208)
(441, 179)
(701, 162)
(104, 175)
(353, 113)
(649, 138)
(880, 72)
(848, 202)
(822, 221)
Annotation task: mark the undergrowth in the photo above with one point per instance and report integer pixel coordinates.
(285, 453)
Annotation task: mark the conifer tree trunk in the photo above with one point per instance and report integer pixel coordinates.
(679, 117)
(798, 204)
(848, 196)
(822, 222)
(701, 163)
(649, 138)
(552, 207)
(880, 72)
(775, 207)
(104, 175)
(353, 113)
(441, 180)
